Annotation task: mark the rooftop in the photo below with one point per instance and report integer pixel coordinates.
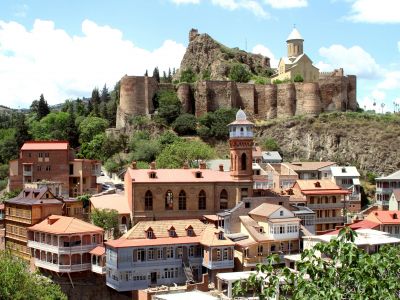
(45, 145)
(385, 217)
(64, 225)
(39, 196)
(265, 209)
(394, 176)
(268, 155)
(364, 224)
(98, 251)
(117, 201)
(295, 35)
(396, 193)
(309, 165)
(316, 187)
(348, 171)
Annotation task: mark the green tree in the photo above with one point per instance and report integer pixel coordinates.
(95, 101)
(176, 154)
(43, 108)
(215, 124)
(93, 149)
(270, 144)
(156, 74)
(169, 106)
(239, 73)
(167, 138)
(188, 76)
(106, 219)
(334, 270)
(185, 124)
(80, 107)
(21, 130)
(17, 283)
(90, 127)
(298, 78)
(72, 129)
(145, 150)
(51, 127)
(105, 95)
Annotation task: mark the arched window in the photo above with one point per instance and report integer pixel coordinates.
(223, 199)
(169, 200)
(148, 201)
(202, 200)
(182, 200)
(244, 161)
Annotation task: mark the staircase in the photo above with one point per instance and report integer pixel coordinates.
(187, 270)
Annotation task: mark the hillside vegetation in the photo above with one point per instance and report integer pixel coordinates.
(368, 141)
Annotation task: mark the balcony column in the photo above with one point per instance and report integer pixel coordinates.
(58, 241)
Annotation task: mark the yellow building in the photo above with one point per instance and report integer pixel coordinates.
(296, 62)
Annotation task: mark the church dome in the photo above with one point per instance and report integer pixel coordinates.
(294, 35)
(241, 115)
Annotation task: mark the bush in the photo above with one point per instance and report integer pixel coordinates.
(270, 145)
(214, 124)
(298, 78)
(279, 81)
(371, 177)
(239, 73)
(206, 74)
(260, 80)
(188, 76)
(185, 124)
(169, 106)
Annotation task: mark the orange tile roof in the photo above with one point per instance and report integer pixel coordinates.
(309, 165)
(45, 145)
(319, 186)
(118, 202)
(364, 224)
(179, 175)
(98, 251)
(384, 217)
(253, 228)
(123, 242)
(64, 225)
(265, 209)
(210, 238)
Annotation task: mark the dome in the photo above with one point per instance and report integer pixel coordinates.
(295, 35)
(241, 115)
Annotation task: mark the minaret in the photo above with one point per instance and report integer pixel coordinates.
(294, 43)
(241, 146)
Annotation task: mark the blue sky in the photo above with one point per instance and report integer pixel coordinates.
(65, 48)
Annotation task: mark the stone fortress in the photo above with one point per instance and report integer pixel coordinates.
(320, 91)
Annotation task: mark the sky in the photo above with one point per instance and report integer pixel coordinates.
(63, 49)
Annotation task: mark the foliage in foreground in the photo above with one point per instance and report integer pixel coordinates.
(18, 283)
(106, 219)
(343, 271)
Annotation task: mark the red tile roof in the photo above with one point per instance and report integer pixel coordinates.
(319, 187)
(64, 225)
(45, 145)
(118, 202)
(98, 251)
(385, 217)
(364, 224)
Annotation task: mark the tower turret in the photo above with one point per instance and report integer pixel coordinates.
(241, 146)
(294, 43)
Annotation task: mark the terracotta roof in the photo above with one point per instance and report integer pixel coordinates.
(45, 145)
(320, 186)
(213, 218)
(123, 242)
(385, 217)
(265, 209)
(309, 165)
(118, 202)
(396, 193)
(253, 229)
(246, 243)
(98, 251)
(364, 224)
(64, 225)
(179, 175)
(210, 238)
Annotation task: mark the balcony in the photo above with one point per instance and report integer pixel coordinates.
(62, 268)
(253, 261)
(98, 269)
(355, 197)
(126, 286)
(220, 264)
(61, 250)
(329, 220)
(325, 205)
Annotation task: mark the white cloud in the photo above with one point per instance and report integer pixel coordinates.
(253, 6)
(186, 1)
(50, 61)
(281, 4)
(354, 60)
(391, 81)
(261, 49)
(373, 11)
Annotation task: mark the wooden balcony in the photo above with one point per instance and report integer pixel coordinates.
(62, 268)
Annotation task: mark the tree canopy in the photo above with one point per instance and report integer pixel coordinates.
(334, 270)
(214, 124)
(239, 73)
(106, 219)
(90, 127)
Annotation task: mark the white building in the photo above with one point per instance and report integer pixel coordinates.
(384, 188)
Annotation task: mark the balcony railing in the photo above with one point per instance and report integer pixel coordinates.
(62, 268)
(329, 220)
(219, 264)
(61, 250)
(252, 261)
(98, 269)
(325, 205)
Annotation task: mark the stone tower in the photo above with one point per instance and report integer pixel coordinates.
(294, 43)
(241, 146)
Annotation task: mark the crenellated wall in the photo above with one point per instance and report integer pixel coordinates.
(333, 92)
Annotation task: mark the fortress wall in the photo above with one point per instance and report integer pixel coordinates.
(246, 96)
(184, 94)
(200, 96)
(151, 87)
(352, 92)
(308, 99)
(220, 94)
(132, 95)
(334, 93)
(270, 101)
(259, 102)
(286, 100)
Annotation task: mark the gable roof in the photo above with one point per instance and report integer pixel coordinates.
(309, 165)
(348, 171)
(266, 155)
(29, 196)
(254, 229)
(385, 217)
(396, 194)
(265, 210)
(45, 145)
(395, 176)
(64, 225)
(320, 186)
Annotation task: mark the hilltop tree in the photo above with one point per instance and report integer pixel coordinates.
(169, 106)
(156, 74)
(42, 108)
(90, 127)
(239, 73)
(95, 101)
(105, 95)
(71, 129)
(80, 107)
(146, 74)
(21, 130)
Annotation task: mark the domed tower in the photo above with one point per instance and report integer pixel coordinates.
(294, 43)
(241, 146)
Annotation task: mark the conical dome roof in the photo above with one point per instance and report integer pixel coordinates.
(294, 35)
(241, 115)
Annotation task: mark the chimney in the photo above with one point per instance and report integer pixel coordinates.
(186, 165)
(153, 165)
(203, 165)
(221, 167)
(133, 165)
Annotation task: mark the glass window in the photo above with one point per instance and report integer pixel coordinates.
(202, 200)
(148, 201)
(182, 200)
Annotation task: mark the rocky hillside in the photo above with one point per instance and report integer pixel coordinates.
(208, 58)
(370, 142)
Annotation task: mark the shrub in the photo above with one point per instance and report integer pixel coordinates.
(270, 144)
(239, 73)
(214, 124)
(169, 106)
(279, 81)
(185, 124)
(298, 78)
(188, 76)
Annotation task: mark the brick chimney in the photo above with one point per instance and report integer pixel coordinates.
(186, 165)
(153, 165)
(133, 165)
(221, 167)
(203, 165)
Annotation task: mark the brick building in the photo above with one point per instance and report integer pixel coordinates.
(54, 161)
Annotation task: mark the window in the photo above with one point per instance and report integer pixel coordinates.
(220, 235)
(169, 200)
(223, 199)
(260, 249)
(39, 168)
(46, 154)
(225, 254)
(202, 200)
(153, 175)
(150, 234)
(273, 248)
(191, 251)
(218, 254)
(160, 254)
(244, 162)
(189, 231)
(179, 252)
(141, 254)
(198, 175)
(40, 154)
(148, 201)
(182, 200)
(150, 254)
(71, 169)
(281, 213)
(170, 252)
(172, 232)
